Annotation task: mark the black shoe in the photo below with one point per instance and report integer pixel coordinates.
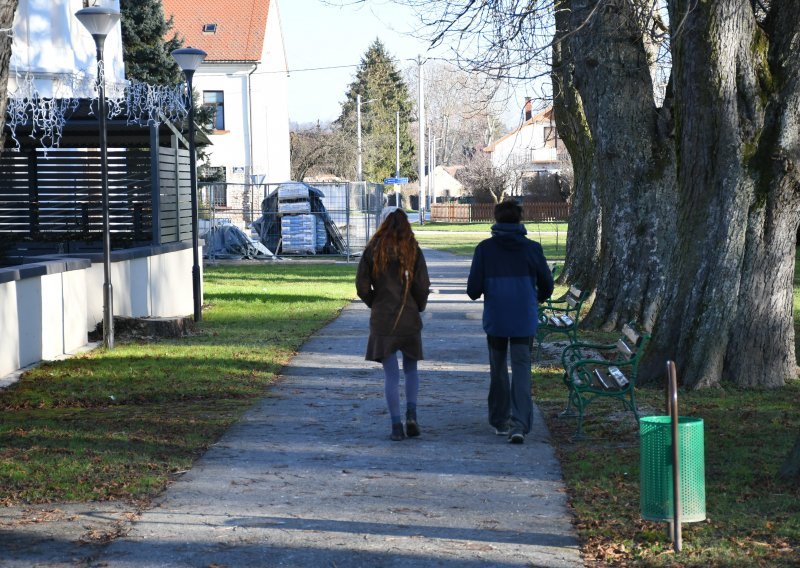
(502, 430)
(412, 428)
(397, 432)
(516, 437)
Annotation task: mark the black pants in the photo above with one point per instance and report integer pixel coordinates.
(510, 402)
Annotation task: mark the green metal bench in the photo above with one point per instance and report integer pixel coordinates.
(560, 316)
(613, 375)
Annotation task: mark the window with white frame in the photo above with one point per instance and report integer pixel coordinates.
(215, 101)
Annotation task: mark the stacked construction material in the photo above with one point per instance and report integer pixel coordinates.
(289, 199)
(294, 207)
(322, 233)
(298, 225)
(299, 234)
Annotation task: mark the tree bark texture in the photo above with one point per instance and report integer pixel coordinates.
(583, 238)
(7, 10)
(633, 165)
(729, 311)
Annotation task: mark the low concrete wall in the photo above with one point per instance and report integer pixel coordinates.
(146, 281)
(42, 311)
(48, 308)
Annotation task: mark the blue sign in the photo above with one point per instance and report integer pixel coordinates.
(388, 181)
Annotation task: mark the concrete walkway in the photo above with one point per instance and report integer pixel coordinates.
(310, 478)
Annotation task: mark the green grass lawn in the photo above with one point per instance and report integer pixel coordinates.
(119, 424)
(461, 239)
(753, 519)
(533, 228)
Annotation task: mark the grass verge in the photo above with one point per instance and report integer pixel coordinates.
(120, 424)
(753, 518)
(533, 228)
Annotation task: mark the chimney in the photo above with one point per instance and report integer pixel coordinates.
(528, 109)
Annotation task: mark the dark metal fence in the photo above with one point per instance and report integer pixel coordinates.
(350, 211)
(60, 196)
(56, 198)
(173, 201)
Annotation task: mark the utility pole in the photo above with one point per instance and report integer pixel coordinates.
(421, 149)
(397, 167)
(431, 166)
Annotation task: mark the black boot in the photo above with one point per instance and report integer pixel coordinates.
(397, 432)
(412, 428)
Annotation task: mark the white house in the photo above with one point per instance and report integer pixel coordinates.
(51, 47)
(532, 147)
(245, 79)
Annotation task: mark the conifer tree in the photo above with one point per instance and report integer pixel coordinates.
(146, 52)
(383, 93)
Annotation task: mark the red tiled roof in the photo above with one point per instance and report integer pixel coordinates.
(240, 27)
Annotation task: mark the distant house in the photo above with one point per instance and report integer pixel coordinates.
(534, 149)
(245, 80)
(445, 185)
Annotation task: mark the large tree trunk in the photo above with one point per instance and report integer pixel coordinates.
(729, 313)
(583, 238)
(633, 161)
(7, 10)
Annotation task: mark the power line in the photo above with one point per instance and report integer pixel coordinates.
(290, 71)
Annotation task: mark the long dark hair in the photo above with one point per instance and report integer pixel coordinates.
(394, 239)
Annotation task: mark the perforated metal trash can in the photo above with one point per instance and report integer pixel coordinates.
(656, 468)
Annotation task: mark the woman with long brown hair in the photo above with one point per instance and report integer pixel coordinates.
(393, 281)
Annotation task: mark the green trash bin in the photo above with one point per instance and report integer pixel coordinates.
(656, 498)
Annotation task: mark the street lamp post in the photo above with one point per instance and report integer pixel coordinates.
(189, 59)
(421, 148)
(99, 22)
(431, 167)
(358, 127)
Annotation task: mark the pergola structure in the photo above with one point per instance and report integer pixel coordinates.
(50, 198)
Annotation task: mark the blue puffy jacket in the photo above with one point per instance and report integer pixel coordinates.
(511, 273)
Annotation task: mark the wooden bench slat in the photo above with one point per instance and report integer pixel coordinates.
(560, 316)
(603, 377)
(623, 348)
(631, 334)
(618, 376)
(603, 380)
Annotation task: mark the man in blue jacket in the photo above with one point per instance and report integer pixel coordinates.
(511, 273)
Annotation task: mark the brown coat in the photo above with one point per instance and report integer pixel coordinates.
(389, 333)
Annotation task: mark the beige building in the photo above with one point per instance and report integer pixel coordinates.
(445, 185)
